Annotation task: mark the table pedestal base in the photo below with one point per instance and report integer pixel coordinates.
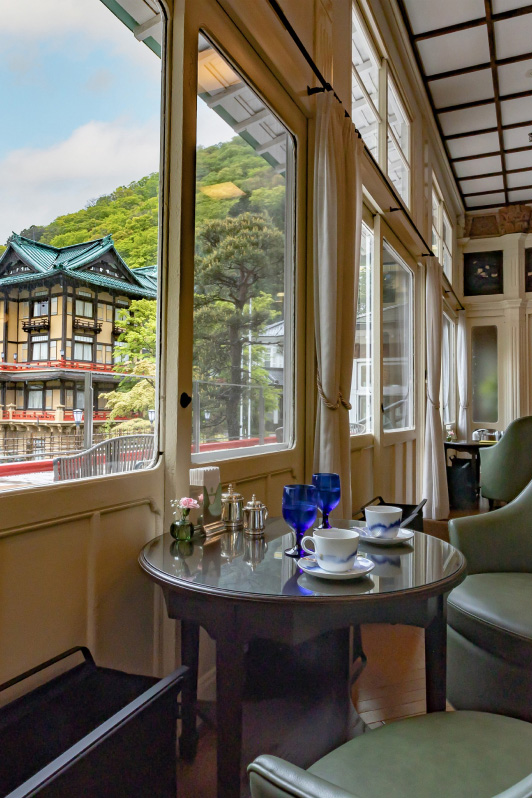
(295, 704)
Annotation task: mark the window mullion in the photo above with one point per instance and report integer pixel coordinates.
(366, 94)
(397, 146)
(383, 108)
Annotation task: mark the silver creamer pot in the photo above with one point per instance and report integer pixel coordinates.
(255, 515)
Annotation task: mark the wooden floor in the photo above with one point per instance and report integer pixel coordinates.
(391, 686)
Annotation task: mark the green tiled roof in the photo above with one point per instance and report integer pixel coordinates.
(74, 261)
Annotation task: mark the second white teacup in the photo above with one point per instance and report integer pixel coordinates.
(335, 549)
(383, 521)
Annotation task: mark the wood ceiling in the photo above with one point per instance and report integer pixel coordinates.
(475, 57)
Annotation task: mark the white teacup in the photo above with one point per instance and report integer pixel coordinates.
(383, 521)
(335, 549)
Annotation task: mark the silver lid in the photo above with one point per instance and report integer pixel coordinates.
(231, 495)
(254, 504)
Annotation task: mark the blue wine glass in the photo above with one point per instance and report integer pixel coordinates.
(300, 508)
(328, 487)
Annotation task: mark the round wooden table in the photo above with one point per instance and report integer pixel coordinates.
(242, 590)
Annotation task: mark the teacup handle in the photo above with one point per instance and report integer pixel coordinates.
(309, 551)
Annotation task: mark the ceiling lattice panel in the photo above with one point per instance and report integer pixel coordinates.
(475, 57)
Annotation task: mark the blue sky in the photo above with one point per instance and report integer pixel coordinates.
(80, 100)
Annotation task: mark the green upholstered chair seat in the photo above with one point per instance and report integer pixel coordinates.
(441, 755)
(493, 611)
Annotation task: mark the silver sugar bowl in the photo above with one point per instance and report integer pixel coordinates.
(232, 508)
(255, 515)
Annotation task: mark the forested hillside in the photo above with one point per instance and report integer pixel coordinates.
(130, 212)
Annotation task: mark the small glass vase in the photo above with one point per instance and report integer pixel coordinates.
(182, 529)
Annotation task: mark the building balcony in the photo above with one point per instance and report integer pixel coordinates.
(91, 325)
(59, 415)
(41, 365)
(118, 330)
(31, 325)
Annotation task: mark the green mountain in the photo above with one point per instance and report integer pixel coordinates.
(130, 213)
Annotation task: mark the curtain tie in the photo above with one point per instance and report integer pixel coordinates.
(435, 405)
(339, 401)
(464, 407)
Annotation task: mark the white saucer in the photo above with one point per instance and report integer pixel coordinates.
(361, 567)
(402, 536)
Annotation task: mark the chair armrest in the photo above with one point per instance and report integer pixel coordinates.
(499, 541)
(271, 777)
(523, 789)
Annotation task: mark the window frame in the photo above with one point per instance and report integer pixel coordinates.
(440, 247)
(451, 318)
(39, 340)
(401, 433)
(87, 304)
(294, 238)
(388, 80)
(376, 109)
(84, 341)
(406, 157)
(367, 222)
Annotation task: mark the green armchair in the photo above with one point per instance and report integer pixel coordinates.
(506, 467)
(441, 755)
(489, 633)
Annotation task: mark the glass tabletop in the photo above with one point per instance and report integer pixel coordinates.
(236, 563)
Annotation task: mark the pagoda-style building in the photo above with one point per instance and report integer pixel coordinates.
(59, 319)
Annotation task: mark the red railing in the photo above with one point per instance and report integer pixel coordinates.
(239, 444)
(37, 466)
(50, 415)
(56, 364)
(42, 415)
(27, 467)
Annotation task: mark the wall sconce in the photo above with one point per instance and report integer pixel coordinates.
(151, 415)
(15, 357)
(77, 416)
(62, 354)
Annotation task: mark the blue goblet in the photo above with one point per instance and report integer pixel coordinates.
(328, 487)
(300, 509)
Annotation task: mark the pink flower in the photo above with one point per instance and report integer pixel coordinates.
(186, 503)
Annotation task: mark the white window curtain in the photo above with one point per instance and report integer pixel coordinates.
(464, 384)
(434, 472)
(337, 231)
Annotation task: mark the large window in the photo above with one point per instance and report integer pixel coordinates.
(83, 345)
(398, 344)
(40, 307)
(39, 347)
(84, 307)
(398, 138)
(242, 382)
(83, 195)
(484, 368)
(380, 116)
(361, 413)
(39, 398)
(365, 66)
(442, 232)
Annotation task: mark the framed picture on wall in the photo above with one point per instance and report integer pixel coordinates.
(483, 273)
(528, 270)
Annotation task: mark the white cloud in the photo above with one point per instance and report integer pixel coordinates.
(38, 184)
(36, 19)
